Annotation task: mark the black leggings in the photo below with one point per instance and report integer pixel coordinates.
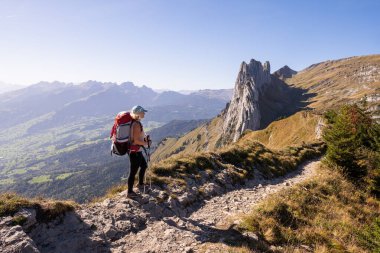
(137, 161)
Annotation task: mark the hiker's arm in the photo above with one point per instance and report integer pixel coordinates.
(137, 135)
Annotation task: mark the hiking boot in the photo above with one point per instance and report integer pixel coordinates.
(140, 187)
(132, 195)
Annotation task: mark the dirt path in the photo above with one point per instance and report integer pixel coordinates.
(207, 224)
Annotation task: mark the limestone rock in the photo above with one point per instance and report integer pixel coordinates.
(243, 111)
(14, 239)
(211, 189)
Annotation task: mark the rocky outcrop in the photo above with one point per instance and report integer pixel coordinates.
(284, 72)
(243, 111)
(14, 239)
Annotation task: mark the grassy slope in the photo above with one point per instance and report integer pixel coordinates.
(339, 81)
(293, 131)
(327, 214)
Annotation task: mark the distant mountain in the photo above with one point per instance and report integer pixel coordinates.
(68, 102)
(224, 94)
(186, 92)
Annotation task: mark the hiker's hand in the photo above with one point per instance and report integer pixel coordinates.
(148, 140)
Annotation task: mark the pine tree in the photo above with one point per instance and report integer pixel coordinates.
(353, 143)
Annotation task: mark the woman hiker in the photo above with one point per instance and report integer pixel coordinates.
(138, 140)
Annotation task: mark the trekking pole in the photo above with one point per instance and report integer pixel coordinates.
(147, 153)
(150, 178)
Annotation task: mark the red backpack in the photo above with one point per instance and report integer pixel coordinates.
(120, 134)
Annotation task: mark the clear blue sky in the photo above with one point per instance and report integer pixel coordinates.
(177, 44)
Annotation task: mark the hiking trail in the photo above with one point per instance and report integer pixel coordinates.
(207, 224)
(147, 225)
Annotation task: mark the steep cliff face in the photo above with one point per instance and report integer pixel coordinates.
(243, 111)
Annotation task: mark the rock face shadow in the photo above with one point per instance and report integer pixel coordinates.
(279, 100)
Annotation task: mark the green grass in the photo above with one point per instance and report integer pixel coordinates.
(370, 236)
(40, 179)
(63, 176)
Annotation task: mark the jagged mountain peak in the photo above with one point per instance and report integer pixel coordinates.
(254, 67)
(242, 113)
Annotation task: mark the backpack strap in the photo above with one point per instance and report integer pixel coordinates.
(131, 131)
